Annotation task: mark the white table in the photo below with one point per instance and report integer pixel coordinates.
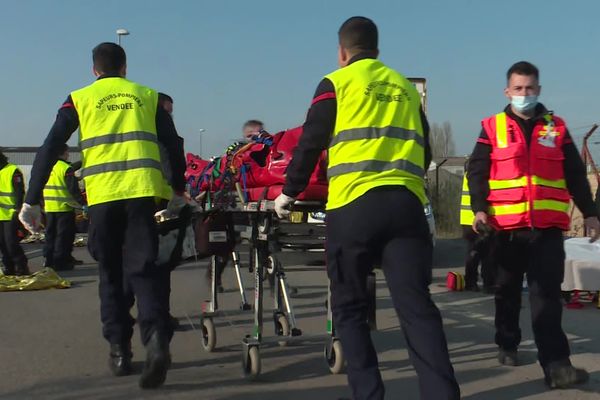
(582, 265)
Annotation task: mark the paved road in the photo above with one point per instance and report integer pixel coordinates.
(51, 344)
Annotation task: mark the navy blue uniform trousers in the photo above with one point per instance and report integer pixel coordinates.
(124, 240)
(60, 234)
(541, 255)
(13, 256)
(386, 226)
(479, 252)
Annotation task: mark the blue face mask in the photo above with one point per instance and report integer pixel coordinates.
(524, 103)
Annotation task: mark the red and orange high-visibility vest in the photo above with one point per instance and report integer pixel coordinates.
(527, 183)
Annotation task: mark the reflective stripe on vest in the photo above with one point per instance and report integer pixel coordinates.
(466, 212)
(501, 131)
(523, 207)
(120, 154)
(527, 184)
(378, 137)
(8, 199)
(57, 197)
(522, 182)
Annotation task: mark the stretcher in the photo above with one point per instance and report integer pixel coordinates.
(245, 181)
(581, 281)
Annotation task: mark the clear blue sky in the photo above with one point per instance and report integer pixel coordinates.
(227, 61)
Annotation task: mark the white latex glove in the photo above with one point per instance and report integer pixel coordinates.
(177, 202)
(161, 215)
(31, 217)
(282, 204)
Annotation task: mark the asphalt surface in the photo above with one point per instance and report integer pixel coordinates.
(51, 345)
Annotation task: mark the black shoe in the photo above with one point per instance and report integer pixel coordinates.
(119, 361)
(560, 376)
(22, 270)
(157, 363)
(8, 270)
(75, 261)
(47, 263)
(472, 287)
(508, 357)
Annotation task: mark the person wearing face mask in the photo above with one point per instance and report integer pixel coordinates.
(522, 174)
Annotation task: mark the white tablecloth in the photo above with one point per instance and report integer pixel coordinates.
(582, 265)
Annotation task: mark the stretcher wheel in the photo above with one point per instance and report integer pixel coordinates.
(271, 263)
(252, 364)
(335, 357)
(209, 334)
(282, 328)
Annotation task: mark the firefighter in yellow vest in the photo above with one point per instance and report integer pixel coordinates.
(479, 245)
(369, 118)
(61, 196)
(12, 191)
(120, 124)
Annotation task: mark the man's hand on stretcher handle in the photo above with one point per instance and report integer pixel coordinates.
(282, 205)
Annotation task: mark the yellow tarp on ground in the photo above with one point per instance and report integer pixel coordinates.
(46, 278)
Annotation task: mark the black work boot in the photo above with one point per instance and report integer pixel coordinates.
(508, 357)
(8, 270)
(158, 361)
(562, 375)
(119, 361)
(22, 270)
(75, 261)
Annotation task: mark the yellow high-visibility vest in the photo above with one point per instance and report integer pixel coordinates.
(57, 197)
(118, 140)
(8, 198)
(378, 137)
(466, 213)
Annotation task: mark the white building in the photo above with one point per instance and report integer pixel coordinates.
(23, 157)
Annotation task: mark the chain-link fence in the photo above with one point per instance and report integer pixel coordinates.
(445, 200)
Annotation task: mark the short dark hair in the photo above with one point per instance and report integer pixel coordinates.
(3, 159)
(358, 34)
(252, 122)
(162, 97)
(109, 58)
(523, 68)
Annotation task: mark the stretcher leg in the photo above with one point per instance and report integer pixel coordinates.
(236, 264)
(209, 309)
(251, 343)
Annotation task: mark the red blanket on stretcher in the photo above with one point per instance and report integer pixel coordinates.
(259, 167)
